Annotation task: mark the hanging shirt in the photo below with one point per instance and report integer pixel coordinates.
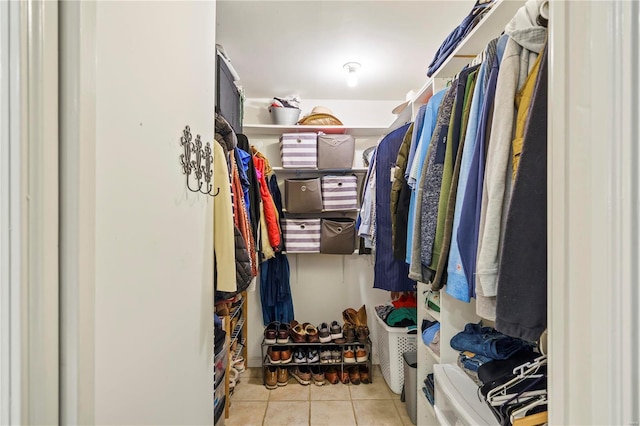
(415, 136)
(457, 283)
(389, 274)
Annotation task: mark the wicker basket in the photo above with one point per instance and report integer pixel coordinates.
(320, 119)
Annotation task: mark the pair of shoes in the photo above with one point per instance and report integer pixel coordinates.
(330, 355)
(349, 333)
(357, 320)
(304, 333)
(276, 332)
(308, 356)
(279, 355)
(302, 374)
(275, 376)
(331, 332)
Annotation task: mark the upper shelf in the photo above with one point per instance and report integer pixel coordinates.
(491, 26)
(277, 129)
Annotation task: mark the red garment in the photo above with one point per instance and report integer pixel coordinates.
(406, 301)
(270, 214)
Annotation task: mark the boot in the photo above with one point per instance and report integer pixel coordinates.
(350, 316)
(362, 330)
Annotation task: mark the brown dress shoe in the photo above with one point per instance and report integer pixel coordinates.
(271, 377)
(364, 375)
(354, 375)
(344, 376)
(271, 333)
(332, 376)
(283, 333)
(283, 376)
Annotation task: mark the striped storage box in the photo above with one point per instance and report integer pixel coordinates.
(301, 235)
(340, 192)
(299, 150)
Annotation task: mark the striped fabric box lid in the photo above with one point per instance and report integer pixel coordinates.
(301, 235)
(299, 150)
(339, 192)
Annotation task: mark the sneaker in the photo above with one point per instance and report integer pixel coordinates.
(270, 333)
(349, 355)
(283, 376)
(336, 356)
(312, 333)
(273, 355)
(302, 374)
(323, 332)
(271, 377)
(336, 330)
(285, 355)
(318, 375)
(313, 356)
(283, 334)
(325, 355)
(300, 356)
(361, 354)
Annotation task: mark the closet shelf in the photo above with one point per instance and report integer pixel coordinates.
(426, 402)
(277, 129)
(489, 28)
(431, 352)
(301, 171)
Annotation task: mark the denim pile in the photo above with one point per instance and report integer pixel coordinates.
(480, 345)
(429, 388)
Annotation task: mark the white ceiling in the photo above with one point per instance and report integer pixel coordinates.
(284, 47)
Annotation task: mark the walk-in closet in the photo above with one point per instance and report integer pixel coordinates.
(319, 212)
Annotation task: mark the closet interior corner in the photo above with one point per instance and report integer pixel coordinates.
(376, 252)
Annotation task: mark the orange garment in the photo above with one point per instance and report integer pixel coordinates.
(270, 213)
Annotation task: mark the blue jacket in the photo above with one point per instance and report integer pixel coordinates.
(472, 204)
(389, 274)
(424, 138)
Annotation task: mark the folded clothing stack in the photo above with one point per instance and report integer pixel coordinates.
(397, 317)
(431, 334)
(481, 345)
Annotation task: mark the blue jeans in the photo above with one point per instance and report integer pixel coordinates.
(487, 342)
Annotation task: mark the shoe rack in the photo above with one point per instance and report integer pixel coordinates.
(340, 366)
(236, 329)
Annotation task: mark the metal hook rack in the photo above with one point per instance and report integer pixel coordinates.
(198, 175)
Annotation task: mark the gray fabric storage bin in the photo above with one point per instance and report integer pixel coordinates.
(338, 236)
(336, 151)
(303, 195)
(411, 384)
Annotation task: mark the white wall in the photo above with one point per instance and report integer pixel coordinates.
(322, 285)
(153, 296)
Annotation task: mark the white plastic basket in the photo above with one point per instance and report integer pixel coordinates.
(392, 343)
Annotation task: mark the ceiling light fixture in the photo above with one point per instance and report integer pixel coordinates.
(352, 68)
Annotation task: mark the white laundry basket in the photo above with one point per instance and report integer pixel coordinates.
(393, 342)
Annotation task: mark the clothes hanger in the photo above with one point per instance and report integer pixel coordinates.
(522, 411)
(522, 372)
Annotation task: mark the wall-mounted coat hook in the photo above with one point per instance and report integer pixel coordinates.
(199, 176)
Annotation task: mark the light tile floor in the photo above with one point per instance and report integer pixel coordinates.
(335, 405)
